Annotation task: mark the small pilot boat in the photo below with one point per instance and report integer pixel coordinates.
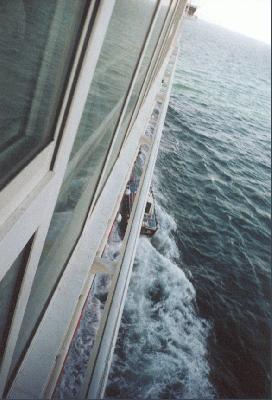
(150, 222)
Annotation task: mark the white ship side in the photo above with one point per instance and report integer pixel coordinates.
(93, 80)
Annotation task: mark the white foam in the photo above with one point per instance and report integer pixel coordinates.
(162, 350)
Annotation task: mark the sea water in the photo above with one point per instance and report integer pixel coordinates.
(196, 319)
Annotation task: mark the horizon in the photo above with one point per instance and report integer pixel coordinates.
(255, 23)
(236, 32)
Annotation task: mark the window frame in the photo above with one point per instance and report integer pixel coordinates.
(150, 72)
(30, 175)
(164, 49)
(171, 33)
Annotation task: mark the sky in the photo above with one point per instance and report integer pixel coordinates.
(249, 17)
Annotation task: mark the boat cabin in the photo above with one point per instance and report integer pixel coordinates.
(150, 223)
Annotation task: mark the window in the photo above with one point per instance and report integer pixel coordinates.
(147, 208)
(9, 291)
(140, 80)
(172, 31)
(114, 71)
(37, 41)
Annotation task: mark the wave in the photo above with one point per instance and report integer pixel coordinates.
(161, 350)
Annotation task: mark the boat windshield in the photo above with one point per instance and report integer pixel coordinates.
(147, 207)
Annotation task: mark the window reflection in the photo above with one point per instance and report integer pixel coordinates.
(140, 80)
(37, 39)
(9, 290)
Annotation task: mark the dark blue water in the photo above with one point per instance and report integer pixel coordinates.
(196, 320)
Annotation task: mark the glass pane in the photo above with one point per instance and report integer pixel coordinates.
(167, 45)
(140, 80)
(37, 41)
(9, 290)
(107, 93)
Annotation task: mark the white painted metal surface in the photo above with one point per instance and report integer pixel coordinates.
(28, 203)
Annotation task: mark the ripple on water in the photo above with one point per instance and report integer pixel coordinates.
(196, 321)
